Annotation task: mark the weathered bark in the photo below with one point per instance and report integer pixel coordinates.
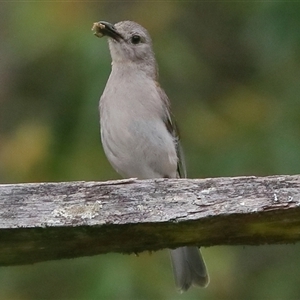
(45, 221)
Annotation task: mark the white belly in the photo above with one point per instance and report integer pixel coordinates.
(141, 148)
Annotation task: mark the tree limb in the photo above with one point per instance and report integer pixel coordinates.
(46, 221)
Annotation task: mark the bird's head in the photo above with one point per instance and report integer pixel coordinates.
(129, 42)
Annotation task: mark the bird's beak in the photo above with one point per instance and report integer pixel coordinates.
(103, 28)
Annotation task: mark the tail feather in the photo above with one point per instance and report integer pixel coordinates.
(189, 268)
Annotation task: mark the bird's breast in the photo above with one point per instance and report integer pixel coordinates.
(134, 136)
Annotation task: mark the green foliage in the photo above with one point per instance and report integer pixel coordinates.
(232, 72)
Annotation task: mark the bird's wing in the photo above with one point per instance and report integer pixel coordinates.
(173, 129)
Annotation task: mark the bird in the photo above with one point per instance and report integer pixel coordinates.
(138, 133)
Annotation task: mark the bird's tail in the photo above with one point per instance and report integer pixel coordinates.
(189, 268)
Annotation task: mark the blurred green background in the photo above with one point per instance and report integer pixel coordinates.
(231, 70)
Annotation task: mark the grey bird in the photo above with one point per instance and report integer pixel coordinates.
(138, 134)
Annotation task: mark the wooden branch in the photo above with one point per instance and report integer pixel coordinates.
(46, 221)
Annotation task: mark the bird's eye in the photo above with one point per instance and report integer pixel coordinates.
(135, 39)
